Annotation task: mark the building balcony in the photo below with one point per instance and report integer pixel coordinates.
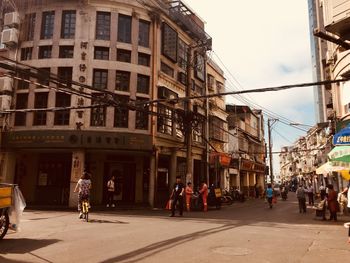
(341, 66)
(189, 22)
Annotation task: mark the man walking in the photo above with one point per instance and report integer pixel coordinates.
(269, 195)
(177, 196)
(310, 192)
(301, 199)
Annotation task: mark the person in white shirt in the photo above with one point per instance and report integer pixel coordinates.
(110, 192)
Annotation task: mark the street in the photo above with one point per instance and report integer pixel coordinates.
(243, 232)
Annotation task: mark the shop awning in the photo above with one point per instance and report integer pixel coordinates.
(329, 167)
(340, 154)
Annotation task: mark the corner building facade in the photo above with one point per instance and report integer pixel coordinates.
(116, 46)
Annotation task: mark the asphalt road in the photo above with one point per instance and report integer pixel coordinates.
(244, 232)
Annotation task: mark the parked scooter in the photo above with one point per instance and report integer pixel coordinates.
(237, 195)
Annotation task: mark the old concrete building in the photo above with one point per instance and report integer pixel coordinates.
(247, 147)
(115, 55)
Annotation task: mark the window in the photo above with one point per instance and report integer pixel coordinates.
(122, 81)
(25, 75)
(165, 120)
(169, 42)
(144, 59)
(21, 103)
(219, 87)
(182, 77)
(44, 77)
(121, 113)
(200, 67)
(167, 69)
(45, 52)
(26, 53)
(100, 80)
(142, 84)
(68, 24)
(62, 100)
(216, 129)
(211, 81)
(66, 52)
(124, 55)
(47, 25)
(182, 54)
(40, 102)
(142, 117)
(144, 27)
(103, 25)
(102, 53)
(29, 26)
(198, 133)
(124, 28)
(66, 75)
(98, 114)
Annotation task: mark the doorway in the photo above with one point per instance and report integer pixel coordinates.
(125, 177)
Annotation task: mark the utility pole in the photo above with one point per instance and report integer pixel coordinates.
(270, 123)
(188, 117)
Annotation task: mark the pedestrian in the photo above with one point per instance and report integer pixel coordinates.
(83, 186)
(269, 195)
(332, 203)
(110, 192)
(301, 199)
(322, 191)
(342, 201)
(204, 192)
(189, 193)
(177, 196)
(256, 187)
(347, 225)
(310, 193)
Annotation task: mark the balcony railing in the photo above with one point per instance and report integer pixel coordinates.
(186, 19)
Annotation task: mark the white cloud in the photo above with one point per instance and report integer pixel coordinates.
(263, 44)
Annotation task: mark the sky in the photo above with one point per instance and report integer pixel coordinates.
(262, 44)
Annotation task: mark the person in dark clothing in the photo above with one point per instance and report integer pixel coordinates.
(332, 203)
(177, 196)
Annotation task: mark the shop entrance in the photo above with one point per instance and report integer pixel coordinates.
(125, 176)
(53, 179)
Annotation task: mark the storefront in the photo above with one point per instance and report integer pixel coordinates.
(48, 164)
(219, 164)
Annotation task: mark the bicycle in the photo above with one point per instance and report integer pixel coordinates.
(85, 209)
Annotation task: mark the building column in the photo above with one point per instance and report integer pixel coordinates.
(78, 161)
(7, 167)
(152, 178)
(139, 180)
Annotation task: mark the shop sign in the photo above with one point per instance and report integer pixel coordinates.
(220, 159)
(246, 165)
(233, 171)
(76, 139)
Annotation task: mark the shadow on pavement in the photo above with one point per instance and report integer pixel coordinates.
(5, 260)
(24, 245)
(107, 221)
(155, 248)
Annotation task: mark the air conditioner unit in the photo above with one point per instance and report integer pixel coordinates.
(5, 102)
(11, 19)
(9, 36)
(6, 84)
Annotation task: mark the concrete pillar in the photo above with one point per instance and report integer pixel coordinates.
(173, 166)
(139, 180)
(7, 167)
(78, 161)
(152, 176)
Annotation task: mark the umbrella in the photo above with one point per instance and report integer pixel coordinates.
(345, 174)
(340, 154)
(329, 167)
(342, 137)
